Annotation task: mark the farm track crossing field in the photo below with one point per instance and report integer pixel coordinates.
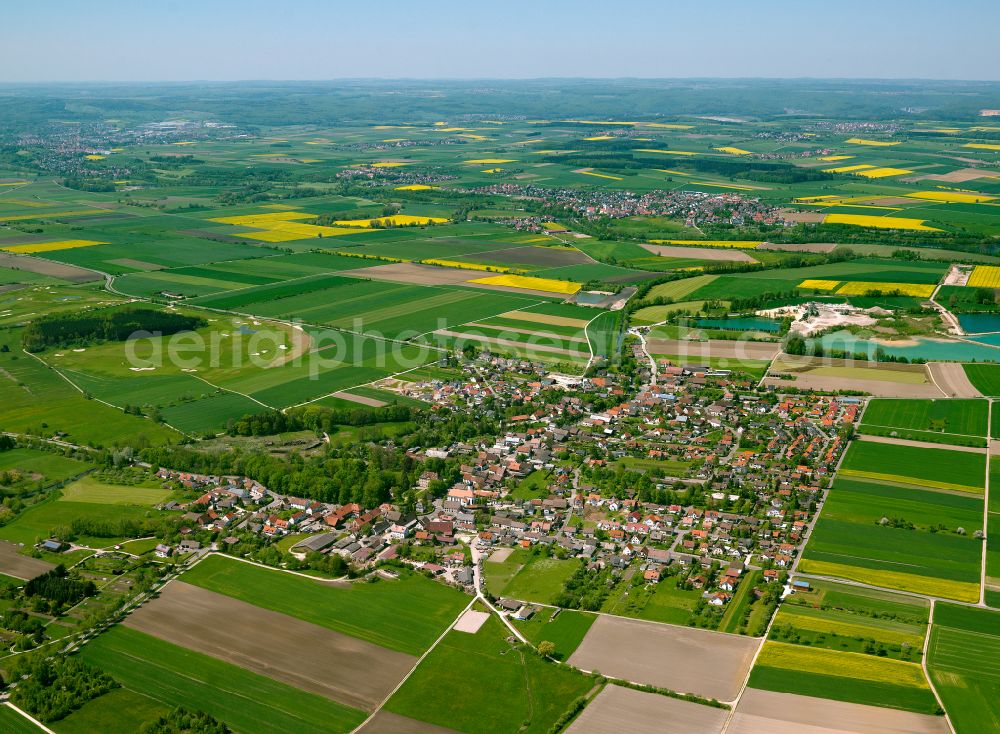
(375, 612)
(244, 700)
(275, 645)
(964, 662)
(964, 417)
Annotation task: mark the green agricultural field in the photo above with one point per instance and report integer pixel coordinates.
(933, 468)
(120, 711)
(246, 701)
(497, 574)
(985, 378)
(91, 490)
(525, 693)
(566, 631)
(406, 614)
(41, 467)
(38, 401)
(851, 541)
(944, 421)
(843, 676)
(964, 662)
(12, 722)
(40, 521)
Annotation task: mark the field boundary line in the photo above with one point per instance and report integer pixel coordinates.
(30, 718)
(416, 665)
(986, 508)
(923, 664)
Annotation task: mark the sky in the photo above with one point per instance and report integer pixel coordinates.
(186, 40)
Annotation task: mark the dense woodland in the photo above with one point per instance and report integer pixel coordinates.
(69, 329)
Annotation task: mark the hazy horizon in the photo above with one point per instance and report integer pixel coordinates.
(310, 40)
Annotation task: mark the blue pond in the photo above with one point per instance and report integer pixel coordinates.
(976, 323)
(929, 349)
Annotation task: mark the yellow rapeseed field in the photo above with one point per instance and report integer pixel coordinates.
(387, 164)
(817, 284)
(733, 151)
(415, 187)
(947, 588)
(528, 283)
(952, 198)
(856, 665)
(396, 220)
(601, 137)
(985, 276)
(489, 161)
(253, 220)
(860, 287)
(884, 172)
(832, 158)
(810, 199)
(95, 157)
(51, 246)
(876, 143)
(470, 266)
(848, 169)
(868, 220)
(664, 152)
(982, 146)
(600, 175)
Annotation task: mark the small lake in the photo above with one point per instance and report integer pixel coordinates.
(936, 350)
(976, 323)
(743, 323)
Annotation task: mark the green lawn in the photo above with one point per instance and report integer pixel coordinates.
(406, 614)
(91, 490)
(246, 701)
(493, 687)
(533, 486)
(540, 580)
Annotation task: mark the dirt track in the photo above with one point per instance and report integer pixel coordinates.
(735, 349)
(764, 712)
(304, 655)
(12, 563)
(628, 710)
(951, 378)
(878, 388)
(48, 267)
(386, 722)
(921, 444)
(722, 254)
(682, 659)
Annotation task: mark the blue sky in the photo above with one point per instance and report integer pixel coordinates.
(118, 40)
